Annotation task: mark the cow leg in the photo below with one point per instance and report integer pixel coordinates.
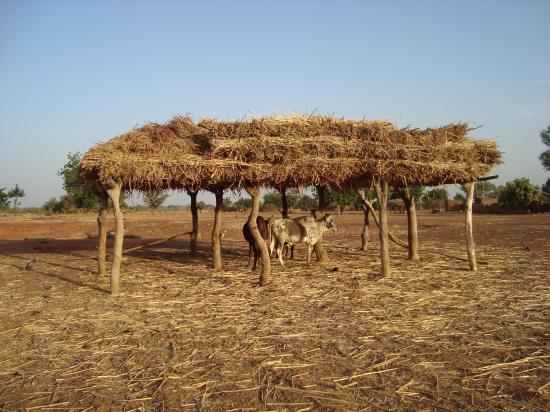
(249, 256)
(292, 251)
(256, 257)
(280, 252)
(271, 245)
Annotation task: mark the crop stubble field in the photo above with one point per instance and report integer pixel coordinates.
(182, 336)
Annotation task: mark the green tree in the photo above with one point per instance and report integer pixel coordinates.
(273, 198)
(341, 198)
(154, 198)
(459, 196)
(545, 156)
(50, 204)
(16, 193)
(243, 204)
(437, 193)
(545, 188)
(519, 193)
(417, 192)
(4, 199)
(81, 196)
(306, 202)
(228, 205)
(486, 189)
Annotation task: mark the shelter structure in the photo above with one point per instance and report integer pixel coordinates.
(281, 152)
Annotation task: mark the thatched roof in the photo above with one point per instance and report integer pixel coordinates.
(305, 150)
(155, 156)
(288, 151)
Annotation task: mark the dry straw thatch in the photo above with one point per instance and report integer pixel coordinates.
(288, 151)
(155, 156)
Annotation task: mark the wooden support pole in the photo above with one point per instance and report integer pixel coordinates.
(254, 192)
(470, 246)
(412, 229)
(195, 220)
(284, 202)
(367, 203)
(365, 232)
(216, 231)
(318, 248)
(113, 190)
(382, 196)
(102, 234)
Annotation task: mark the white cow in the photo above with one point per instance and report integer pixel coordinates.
(305, 229)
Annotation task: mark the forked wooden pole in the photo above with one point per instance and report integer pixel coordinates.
(216, 231)
(195, 220)
(365, 232)
(382, 196)
(113, 190)
(367, 203)
(102, 234)
(254, 192)
(470, 246)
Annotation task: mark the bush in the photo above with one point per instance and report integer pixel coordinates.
(520, 193)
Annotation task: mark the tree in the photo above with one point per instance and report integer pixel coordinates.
(228, 205)
(155, 198)
(417, 192)
(273, 198)
(16, 193)
(545, 156)
(437, 193)
(341, 199)
(545, 188)
(4, 199)
(459, 196)
(50, 205)
(243, 204)
(486, 189)
(81, 196)
(306, 202)
(520, 193)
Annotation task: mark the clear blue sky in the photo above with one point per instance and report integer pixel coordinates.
(73, 73)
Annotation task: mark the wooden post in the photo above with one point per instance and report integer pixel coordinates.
(102, 234)
(365, 232)
(470, 246)
(284, 202)
(411, 223)
(254, 192)
(382, 195)
(318, 248)
(216, 231)
(113, 190)
(195, 219)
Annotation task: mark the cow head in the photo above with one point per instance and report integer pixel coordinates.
(329, 222)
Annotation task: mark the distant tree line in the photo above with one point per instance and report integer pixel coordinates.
(10, 198)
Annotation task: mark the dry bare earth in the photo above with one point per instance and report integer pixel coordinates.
(184, 337)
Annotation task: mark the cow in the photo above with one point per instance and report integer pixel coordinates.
(308, 230)
(263, 228)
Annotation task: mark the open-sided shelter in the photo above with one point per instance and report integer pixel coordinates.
(281, 152)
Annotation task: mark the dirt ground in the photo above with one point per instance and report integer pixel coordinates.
(182, 336)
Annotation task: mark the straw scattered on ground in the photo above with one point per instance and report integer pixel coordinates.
(184, 337)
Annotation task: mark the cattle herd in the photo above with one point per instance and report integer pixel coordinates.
(282, 234)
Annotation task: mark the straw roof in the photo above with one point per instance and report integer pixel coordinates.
(159, 156)
(287, 151)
